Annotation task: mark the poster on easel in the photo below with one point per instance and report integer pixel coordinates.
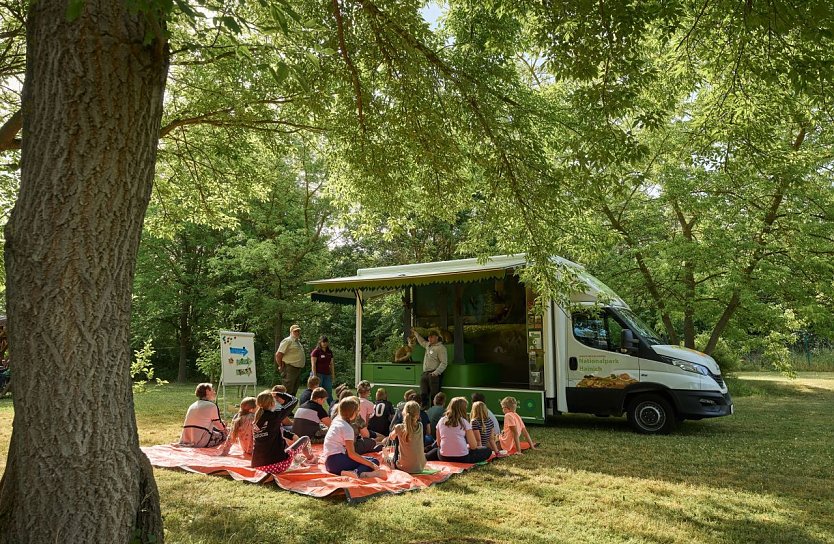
(237, 358)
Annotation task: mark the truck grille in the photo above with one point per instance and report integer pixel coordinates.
(718, 379)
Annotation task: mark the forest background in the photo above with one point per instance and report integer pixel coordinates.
(694, 179)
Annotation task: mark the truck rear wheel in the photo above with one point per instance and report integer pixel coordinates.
(651, 414)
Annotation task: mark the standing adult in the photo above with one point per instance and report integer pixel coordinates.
(434, 363)
(290, 360)
(321, 361)
(203, 427)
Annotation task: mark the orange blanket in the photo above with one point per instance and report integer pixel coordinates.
(313, 480)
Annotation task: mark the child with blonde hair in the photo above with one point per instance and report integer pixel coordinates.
(482, 426)
(270, 452)
(514, 427)
(338, 452)
(242, 424)
(411, 456)
(455, 439)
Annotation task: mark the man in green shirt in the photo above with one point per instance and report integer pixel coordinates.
(290, 360)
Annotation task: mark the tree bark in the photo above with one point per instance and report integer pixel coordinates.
(92, 103)
(688, 279)
(184, 341)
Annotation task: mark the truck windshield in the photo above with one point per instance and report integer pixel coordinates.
(639, 327)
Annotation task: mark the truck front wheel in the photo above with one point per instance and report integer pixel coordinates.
(651, 414)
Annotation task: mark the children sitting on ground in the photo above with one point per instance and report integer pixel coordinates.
(287, 423)
(479, 397)
(380, 421)
(312, 382)
(242, 424)
(311, 419)
(436, 411)
(455, 439)
(401, 404)
(271, 453)
(342, 392)
(366, 407)
(514, 427)
(411, 457)
(482, 427)
(364, 442)
(412, 395)
(203, 426)
(339, 454)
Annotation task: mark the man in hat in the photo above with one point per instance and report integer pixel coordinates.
(290, 360)
(434, 363)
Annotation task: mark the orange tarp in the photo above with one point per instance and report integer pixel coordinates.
(312, 480)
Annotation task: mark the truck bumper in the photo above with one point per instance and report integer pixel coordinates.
(702, 404)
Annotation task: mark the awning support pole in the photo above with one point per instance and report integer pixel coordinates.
(358, 349)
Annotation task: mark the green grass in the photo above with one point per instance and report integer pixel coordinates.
(765, 474)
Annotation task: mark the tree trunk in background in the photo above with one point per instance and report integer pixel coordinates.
(184, 341)
(92, 109)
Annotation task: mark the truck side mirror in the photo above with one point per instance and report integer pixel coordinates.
(628, 344)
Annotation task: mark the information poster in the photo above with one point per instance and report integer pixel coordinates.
(237, 358)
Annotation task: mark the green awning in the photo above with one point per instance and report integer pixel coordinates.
(373, 282)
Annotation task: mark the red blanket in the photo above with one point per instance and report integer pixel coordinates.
(313, 480)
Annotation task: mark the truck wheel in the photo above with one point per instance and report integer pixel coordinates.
(651, 414)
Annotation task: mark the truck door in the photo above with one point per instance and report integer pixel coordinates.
(598, 372)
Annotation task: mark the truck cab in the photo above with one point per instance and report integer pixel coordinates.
(615, 364)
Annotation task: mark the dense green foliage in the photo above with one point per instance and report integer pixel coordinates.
(681, 150)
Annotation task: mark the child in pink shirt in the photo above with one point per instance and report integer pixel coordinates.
(513, 428)
(242, 428)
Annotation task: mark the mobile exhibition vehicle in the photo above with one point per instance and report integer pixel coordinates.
(593, 355)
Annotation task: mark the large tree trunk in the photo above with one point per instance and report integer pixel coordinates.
(92, 102)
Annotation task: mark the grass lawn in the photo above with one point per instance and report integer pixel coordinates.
(765, 474)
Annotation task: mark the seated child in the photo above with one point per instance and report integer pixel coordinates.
(271, 453)
(312, 382)
(339, 454)
(482, 427)
(436, 411)
(411, 456)
(287, 423)
(401, 404)
(455, 440)
(479, 397)
(203, 427)
(311, 419)
(428, 439)
(242, 424)
(363, 442)
(380, 421)
(342, 392)
(366, 407)
(513, 428)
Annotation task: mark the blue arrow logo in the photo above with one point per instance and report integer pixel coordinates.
(239, 351)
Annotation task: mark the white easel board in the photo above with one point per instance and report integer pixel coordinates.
(237, 358)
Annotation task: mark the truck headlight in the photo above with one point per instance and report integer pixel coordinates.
(690, 367)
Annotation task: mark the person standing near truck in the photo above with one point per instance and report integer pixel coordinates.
(434, 363)
(290, 360)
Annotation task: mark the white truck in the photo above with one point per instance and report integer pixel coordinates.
(595, 356)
